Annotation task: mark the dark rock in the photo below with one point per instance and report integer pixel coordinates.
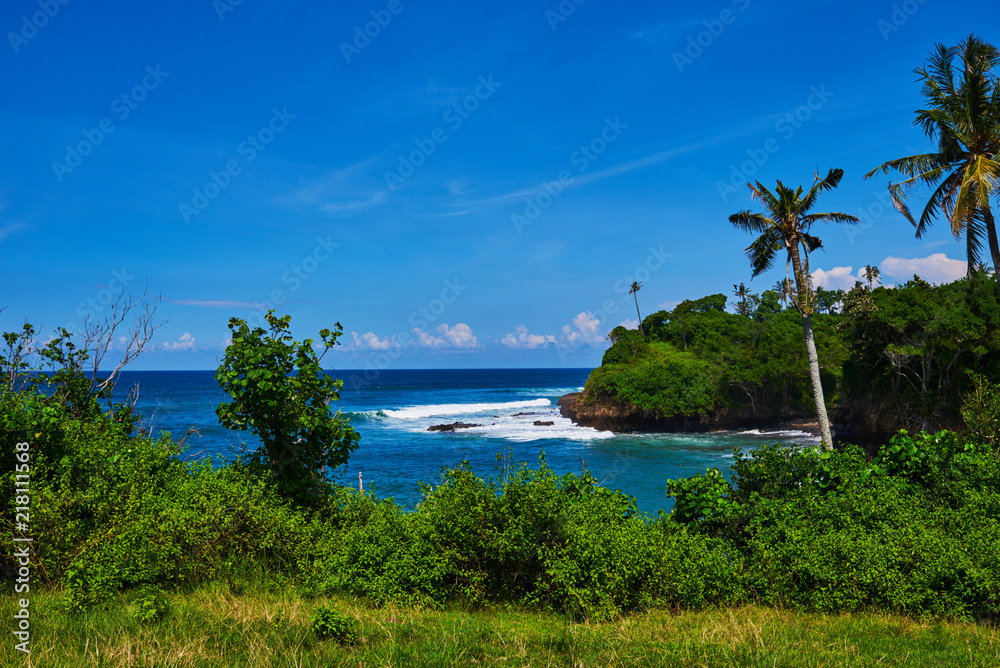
(539, 423)
(523, 414)
(453, 426)
(607, 415)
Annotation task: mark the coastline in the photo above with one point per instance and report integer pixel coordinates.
(629, 419)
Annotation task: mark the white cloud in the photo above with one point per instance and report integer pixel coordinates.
(370, 341)
(459, 337)
(584, 329)
(838, 278)
(631, 323)
(186, 342)
(935, 268)
(215, 303)
(521, 339)
(670, 304)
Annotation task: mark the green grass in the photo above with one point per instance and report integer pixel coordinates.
(216, 627)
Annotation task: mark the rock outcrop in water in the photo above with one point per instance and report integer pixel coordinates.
(453, 426)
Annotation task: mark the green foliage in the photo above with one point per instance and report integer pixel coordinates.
(981, 412)
(627, 345)
(915, 530)
(699, 359)
(666, 383)
(152, 605)
(280, 393)
(704, 496)
(914, 350)
(331, 624)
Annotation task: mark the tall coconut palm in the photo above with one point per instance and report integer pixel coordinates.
(742, 293)
(633, 291)
(963, 114)
(871, 275)
(785, 225)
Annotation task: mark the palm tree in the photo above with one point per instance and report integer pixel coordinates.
(871, 274)
(741, 292)
(786, 226)
(633, 291)
(963, 114)
(784, 289)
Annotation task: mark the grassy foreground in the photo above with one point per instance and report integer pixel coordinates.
(217, 627)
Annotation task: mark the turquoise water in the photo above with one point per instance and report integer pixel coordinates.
(393, 409)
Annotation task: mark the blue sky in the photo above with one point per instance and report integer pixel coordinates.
(459, 185)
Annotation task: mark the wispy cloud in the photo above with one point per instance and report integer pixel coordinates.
(342, 191)
(428, 99)
(580, 180)
(214, 303)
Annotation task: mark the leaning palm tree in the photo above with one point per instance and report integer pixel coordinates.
(635, 289)
(963, 115)
(785, 225)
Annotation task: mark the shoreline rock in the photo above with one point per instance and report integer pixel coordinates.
(628, 419)
(453, 426)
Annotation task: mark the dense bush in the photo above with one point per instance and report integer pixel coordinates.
(915, 530)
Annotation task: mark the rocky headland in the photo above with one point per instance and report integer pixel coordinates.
(626, 418)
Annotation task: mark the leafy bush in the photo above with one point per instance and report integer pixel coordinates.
(703, 496)
(331, 624)
(280, 393)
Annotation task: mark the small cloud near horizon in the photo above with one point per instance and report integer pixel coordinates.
(522, 339)
(185, 342)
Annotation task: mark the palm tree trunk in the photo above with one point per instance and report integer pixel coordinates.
(635, 294)
(991, 234)
(814, 377)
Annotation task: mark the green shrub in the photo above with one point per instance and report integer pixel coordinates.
(703, 496)
(330, 624)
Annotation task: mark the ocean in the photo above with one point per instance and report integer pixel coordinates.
(393, 409)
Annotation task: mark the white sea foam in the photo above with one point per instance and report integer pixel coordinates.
(435, 410)
(521, 430)
(788, 433)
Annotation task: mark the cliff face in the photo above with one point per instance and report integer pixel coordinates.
(624, 418)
